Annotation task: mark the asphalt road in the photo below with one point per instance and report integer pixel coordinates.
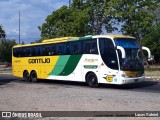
(18, 95)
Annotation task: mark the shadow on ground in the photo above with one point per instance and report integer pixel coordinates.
(146, 86)
(5, 79)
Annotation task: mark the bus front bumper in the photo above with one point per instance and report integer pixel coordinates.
(132, 80)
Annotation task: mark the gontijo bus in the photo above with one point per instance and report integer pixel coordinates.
(111, 59)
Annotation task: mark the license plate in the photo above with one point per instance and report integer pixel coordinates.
(109, 78)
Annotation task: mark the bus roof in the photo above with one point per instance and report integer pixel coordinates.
(67, 39)
(113, 36)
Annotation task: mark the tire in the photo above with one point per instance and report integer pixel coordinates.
(92, 80)
(33, 77)
(26, 76)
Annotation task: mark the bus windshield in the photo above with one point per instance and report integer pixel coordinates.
(133, 60)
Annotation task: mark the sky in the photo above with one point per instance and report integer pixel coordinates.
(32, 14)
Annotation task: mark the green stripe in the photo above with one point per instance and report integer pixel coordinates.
(71, 65)
(74, 39)
(81, 38)
(61, 63)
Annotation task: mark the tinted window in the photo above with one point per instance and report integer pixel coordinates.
(127, 42)
(46, 50)
(53, 49)
(16, 52)
(61, 48)
(38, 50)
(27, 52)
(68, 48)
(108, 53)
(74, 47)
(90, 47)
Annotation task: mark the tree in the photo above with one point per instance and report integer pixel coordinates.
(6, 50)
(2, 33)
(83, 17)
(137, 16)
(152, 39)
(98, 20)
(138, 19)
(65, 22)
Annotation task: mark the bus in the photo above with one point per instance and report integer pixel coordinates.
(110, 59)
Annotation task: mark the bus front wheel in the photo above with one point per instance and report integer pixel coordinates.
(26, 76)
(92, 80)
(33, 76)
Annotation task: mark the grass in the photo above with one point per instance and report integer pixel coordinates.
(154, 70)
(152, 73)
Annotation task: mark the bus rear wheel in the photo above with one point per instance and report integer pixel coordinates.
(33, 77)
(92, 80)
(26, 76)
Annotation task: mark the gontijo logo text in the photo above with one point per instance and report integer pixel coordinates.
(39, 60)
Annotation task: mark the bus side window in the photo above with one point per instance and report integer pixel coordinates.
(27, 52)
(37, 51)
(61, 49)
(53, 49)
(47, 50)
(58, 49)
(64, 48)
(68, 49)
(75, 48)
(16, 52)
(94, 49)
(79, 47)
(71, 48)
(86, 47)
(22, 52)
(33, 51)
(41, 51)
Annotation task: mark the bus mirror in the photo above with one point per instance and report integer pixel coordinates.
(122, 51)
(148, 51)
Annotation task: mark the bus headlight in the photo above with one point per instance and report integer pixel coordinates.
(124, 75)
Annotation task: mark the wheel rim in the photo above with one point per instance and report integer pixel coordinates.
(26, 76)
(34, 77)
(92, 80)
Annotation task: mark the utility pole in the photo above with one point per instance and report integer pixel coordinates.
(69, 3)
(19, 28)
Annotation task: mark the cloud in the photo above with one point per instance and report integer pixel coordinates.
(32, 15)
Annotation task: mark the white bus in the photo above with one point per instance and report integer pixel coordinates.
(110, 59)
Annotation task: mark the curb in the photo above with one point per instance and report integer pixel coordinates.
(5, 73)
(154, 77)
